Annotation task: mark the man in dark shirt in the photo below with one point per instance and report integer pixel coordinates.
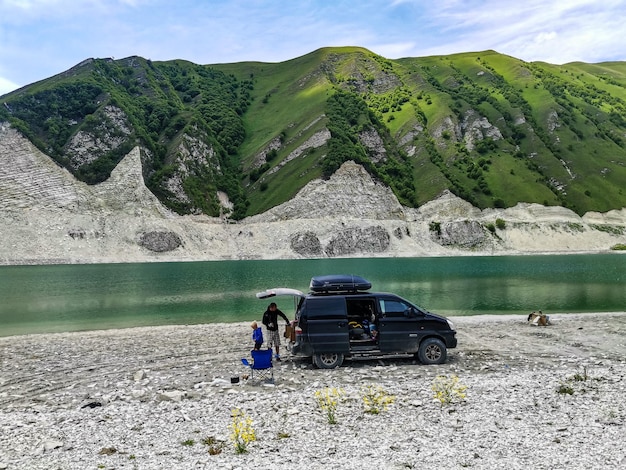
(270, 320)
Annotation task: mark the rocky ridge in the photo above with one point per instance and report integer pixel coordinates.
(47, 216)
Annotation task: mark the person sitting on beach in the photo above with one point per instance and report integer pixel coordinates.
(257, 335)
(538, 319)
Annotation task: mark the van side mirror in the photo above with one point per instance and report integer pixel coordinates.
(412, 312)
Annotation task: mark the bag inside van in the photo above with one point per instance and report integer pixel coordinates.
(362, 321)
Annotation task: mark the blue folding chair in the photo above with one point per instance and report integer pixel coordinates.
(261, 363)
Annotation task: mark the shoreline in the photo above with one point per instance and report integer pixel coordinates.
(182, 259)
(146, 328)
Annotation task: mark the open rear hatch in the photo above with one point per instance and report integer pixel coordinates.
(277, 291)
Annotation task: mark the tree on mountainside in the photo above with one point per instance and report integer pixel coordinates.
(348, 115)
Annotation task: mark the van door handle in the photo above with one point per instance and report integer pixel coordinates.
(342, 324)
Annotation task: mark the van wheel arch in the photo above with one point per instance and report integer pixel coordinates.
(328, 360)
(432, 351)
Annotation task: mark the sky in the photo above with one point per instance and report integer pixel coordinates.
(41, 38)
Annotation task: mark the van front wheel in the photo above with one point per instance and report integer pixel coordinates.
(432, 351)
(328, 360)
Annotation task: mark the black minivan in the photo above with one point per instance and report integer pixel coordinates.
(340, 318)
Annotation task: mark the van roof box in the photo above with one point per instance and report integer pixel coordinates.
(339, 283)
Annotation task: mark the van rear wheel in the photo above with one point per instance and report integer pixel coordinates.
(328, 360)
(432, 351)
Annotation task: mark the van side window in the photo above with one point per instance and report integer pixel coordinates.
(360, 310)
(326, 307)
(393, 308)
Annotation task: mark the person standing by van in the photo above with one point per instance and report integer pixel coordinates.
(270, 320)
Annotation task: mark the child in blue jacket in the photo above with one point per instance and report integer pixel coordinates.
(257, 335)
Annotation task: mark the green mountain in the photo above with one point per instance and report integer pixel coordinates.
(493, 129)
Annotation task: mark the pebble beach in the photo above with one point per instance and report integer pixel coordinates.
(540, 397)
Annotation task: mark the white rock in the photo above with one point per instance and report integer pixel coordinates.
(49, 445)
(173, 395)
(139, 375)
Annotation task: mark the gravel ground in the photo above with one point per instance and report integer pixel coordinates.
(161, 398)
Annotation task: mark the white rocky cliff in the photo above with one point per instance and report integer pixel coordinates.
(47, 216)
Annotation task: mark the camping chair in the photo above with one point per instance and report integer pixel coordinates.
(261, 363)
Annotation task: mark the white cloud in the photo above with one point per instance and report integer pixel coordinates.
(557, 32)
(542, 37)
(7, 86)
(393, 50)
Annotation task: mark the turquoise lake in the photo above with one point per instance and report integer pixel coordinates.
(55, 298)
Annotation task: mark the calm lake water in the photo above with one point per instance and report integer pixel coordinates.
(42, 299)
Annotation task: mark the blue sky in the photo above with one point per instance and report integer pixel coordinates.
(40, 38)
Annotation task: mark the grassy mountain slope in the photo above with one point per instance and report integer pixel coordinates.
(493, 129)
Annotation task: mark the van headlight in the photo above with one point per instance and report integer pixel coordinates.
(450, 324)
